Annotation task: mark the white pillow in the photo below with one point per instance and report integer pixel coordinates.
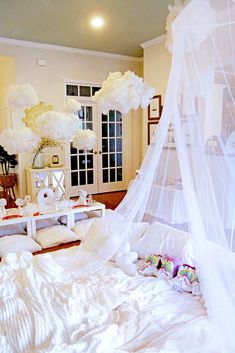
(162, 239)
(81, 228)
(56, 235)
(17, 243)
(77, 217)
(136, 231)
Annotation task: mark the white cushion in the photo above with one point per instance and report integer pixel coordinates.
(81, 228)
(56, 235)
(17, 243)
(162, 239)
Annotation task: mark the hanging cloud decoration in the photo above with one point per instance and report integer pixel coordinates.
(20, 140)
(84, 140)
(22, 95)
(72, 105)
(123, 93)
(58, 126)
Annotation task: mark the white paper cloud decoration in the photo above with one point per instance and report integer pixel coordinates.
(58, 126)
(72, 105)
(23, 95)
(20, 140)
(84, 139)
(123, 93)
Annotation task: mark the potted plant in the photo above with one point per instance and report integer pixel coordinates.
(7, 179)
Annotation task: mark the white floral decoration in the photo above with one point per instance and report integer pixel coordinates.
(123, 93)
(84, 140)
(58, 126)
(23, 95)
(72, 105)
(20, 140)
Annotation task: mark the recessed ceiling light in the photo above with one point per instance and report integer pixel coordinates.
(97, 22)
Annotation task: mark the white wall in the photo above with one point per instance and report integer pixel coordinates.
(67, 65)
(157, 62)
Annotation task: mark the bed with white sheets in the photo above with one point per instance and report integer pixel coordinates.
(49, 304)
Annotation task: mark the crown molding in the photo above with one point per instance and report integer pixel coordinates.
(28, 44)
(153, 41)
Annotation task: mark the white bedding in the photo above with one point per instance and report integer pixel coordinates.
(48, 305)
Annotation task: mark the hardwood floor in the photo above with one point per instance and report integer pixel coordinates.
(110, 199)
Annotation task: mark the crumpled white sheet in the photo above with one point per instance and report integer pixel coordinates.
(47, 305)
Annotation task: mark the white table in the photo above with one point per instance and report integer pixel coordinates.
(69, 212)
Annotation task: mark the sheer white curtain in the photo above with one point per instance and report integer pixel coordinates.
(187, 178)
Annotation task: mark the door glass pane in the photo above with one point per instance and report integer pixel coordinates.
(112, 175)
(105, 176)
(85, 91)
(74, 179)
(104, 145)
(111, 145)
(82, 114)
(104, 161)
(119, 145)
(95, 89)
(73, 150)
(119, 159)
(88, 113)
(119, 130)
(89, 126)
(112, 160)
(119, 174)
(74, 162)
(89, 161)
(90, 177)
(111, 115)
(118, 116)
(104, 130)
(82, 176)
(104, 117)
(111, 129)
(72, 90)
(82, 162)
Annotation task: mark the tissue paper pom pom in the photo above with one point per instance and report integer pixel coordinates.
(84, 140)
(56, 125)
(72, 106)
(22, 95)
(19, 140)
(123, 93)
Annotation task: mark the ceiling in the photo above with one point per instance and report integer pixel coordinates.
(67, 22)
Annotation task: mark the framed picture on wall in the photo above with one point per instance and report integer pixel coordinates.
(155, 108)
(152, 129)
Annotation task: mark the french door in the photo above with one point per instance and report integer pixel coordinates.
(103, 168)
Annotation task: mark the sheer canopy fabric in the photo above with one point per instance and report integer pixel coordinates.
(187, 178)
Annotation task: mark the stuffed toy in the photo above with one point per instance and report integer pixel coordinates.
(151, 265)
(125, 259)
(187, 280)
(169, 267)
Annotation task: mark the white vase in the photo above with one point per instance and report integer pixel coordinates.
(38, 161)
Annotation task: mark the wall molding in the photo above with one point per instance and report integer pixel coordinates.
(28, 44)
(153, 41)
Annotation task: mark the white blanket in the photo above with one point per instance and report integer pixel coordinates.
(48, 305)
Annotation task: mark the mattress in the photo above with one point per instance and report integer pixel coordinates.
(49, 303)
